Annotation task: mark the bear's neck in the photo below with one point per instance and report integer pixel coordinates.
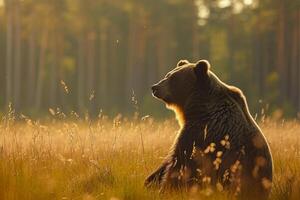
(179, 114)
(214, 114)
(198, 108)
(194, 116)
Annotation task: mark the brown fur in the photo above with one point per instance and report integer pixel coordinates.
(178, 114)
(218, 137)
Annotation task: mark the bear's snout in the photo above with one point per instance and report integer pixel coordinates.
(155, 90)
(161, 90)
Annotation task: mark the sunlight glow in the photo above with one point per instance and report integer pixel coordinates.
(224, 3)
(238, 7)
(1, 3)
(248, 2)
(203, 12)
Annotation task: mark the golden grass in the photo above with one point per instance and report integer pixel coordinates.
(109, 159)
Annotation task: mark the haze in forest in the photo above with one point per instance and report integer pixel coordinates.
(102, 56)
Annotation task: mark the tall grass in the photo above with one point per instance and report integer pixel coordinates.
(110, 158)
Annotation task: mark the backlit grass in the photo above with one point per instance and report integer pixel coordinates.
(110, 158)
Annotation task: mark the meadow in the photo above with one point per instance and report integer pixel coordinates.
(109, 158)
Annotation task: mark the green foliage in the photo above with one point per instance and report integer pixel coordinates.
(110, 48)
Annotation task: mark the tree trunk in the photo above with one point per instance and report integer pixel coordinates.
(91, 69)
(115, 72)
(53, 74)
(9, 43)
(41, 71)
(195, 41)
(130, 57)
(139, 78)
(264, 64)
(294, 64)
(136, 50)
(103, 66)
(161, 49)
(81, 74)
(17, 64)
(32, 69)
(280, 51)
(255, 61)
(298, 79)
(231, 46)
(258, 70)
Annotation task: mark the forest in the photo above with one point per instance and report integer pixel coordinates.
(78, 120)
(91, 56)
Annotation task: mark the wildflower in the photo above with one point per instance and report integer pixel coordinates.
(199, 171)
(226, 142)
(220, 187)
(64, 86)
(217, 163)
(226, 175)
(92, 95)
(266, 183)
(260, 161)
(52, 112)
(211, 148)
(235, 166)
(219, 154)
(207, 191)
(145, 117)
(206, 179)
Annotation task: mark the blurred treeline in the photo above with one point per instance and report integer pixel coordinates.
(88, 55)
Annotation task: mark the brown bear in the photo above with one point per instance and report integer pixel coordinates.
(219, 144)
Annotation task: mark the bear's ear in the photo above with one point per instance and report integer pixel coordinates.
(201, 68)
(182, 62)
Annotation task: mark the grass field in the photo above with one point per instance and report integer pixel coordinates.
(110, 158)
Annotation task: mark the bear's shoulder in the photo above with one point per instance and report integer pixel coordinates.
(236, 94)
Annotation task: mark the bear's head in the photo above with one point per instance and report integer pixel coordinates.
(178, 84)
(176, 88)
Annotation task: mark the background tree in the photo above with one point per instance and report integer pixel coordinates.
(89, 55)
